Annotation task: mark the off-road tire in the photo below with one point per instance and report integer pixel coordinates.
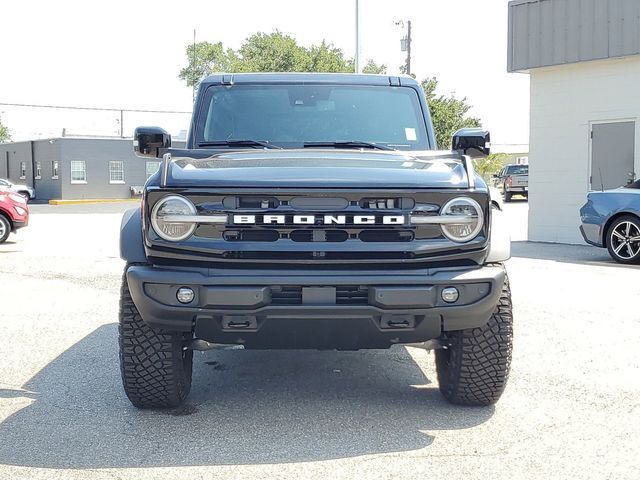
(155, 367)
(473, 370)
(5, 228)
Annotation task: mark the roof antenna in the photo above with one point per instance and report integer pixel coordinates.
(601, 182)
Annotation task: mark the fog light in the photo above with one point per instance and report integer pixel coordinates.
(450, 294)
(185, 295)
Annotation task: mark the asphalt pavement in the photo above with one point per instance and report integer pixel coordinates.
(571, 409)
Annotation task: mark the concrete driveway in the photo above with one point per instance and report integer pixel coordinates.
(571, 410)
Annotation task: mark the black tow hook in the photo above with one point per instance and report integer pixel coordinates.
(202, 345)
(434, 344)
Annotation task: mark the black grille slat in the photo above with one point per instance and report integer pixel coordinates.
(345, 295)
(286, 295)
(351, 295)
(386, 236)
(257, 235)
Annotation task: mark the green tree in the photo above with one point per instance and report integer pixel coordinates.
(275, 52)
(373, 67)
(204, 58)
(5, 136)
(261, 52)
(447, 113)
(492, 163)
(327, 58)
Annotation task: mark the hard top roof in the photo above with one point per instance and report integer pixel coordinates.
(328, 78)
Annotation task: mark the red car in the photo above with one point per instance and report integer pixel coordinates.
(14, 213)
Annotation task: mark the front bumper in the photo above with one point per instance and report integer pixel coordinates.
(18, 224)
(298, 309)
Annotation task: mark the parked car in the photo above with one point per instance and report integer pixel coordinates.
(25, 190)
(513, 179)
(14, 213)
(611, 219)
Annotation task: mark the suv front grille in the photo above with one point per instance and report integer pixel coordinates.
(267, 228)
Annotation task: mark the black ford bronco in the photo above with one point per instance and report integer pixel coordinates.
(313, 211)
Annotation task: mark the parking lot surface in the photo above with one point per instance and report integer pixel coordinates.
(571, 409)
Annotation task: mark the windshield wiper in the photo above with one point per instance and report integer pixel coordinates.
(348, 144)
(239, 143)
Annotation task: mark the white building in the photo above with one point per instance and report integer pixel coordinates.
(583, 57)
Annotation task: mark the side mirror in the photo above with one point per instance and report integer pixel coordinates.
(474, 142)
(147, 141)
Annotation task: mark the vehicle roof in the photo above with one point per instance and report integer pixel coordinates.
(301, 77)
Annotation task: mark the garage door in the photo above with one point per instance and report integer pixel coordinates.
(612, 154)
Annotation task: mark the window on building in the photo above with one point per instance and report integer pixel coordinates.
(78, 171)
(116, 171)
(152, 167)
(38, 170)
(23, 170)
(54, 169)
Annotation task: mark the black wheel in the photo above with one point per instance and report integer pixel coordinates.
(155, 366)
(474, 369)
(623, 239)
(25, 195)
(507, 195)
(5, 228)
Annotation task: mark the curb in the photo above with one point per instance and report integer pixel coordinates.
(93, 200)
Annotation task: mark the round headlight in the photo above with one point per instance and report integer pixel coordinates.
(165, 218)
(465, 220)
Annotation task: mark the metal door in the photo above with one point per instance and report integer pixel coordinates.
(612, 154)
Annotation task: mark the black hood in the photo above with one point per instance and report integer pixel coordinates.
(315, 168)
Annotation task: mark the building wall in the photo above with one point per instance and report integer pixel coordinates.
(556, 32)
(46, 152)
(564, 102)
(96, 153)
(16, 153)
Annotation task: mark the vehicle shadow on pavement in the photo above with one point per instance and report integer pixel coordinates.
(246, 407)
(561, 252)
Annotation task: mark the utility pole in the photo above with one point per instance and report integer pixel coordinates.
(405, 46)
(358, 61)
(409, 47)
(193, 89)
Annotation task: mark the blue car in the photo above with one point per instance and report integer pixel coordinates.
(611, 219)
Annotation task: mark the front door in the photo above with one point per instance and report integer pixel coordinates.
(612, 154)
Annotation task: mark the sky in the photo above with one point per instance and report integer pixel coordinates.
(127, 55)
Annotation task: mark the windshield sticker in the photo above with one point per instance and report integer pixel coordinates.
(410, 133)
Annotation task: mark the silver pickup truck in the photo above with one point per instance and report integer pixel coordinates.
(513, 179)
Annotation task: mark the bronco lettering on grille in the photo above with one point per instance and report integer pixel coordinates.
(319, 219)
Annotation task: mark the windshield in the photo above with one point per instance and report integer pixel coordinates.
(518, 170)
(292, 115)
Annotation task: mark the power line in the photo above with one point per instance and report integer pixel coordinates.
(89, 108)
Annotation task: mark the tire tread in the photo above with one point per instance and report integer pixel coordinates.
(476, 368)
(154, 373)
